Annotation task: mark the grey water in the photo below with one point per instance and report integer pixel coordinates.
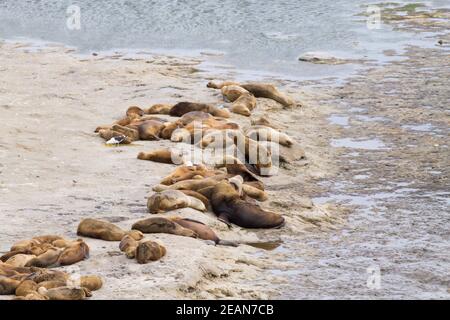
(248, 34)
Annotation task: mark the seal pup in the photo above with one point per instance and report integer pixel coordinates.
(135, 110)
(20, 260)
(91, 282)
(185, 172)
(228, 206)
(47, 259)
(169, 200)
(8, 286)
(244, 104)
(76, 252)
(159, 109)
(169, 156)
(263, 121)
(128, 245)
(65, 293)
(98, 229)
(26, 287)
(233, 92)
(220, 85)
(261, 133)
(163, 225)
(149, 251)
(269, 91)
(182, 108)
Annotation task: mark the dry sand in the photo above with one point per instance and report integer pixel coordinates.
(54, 171)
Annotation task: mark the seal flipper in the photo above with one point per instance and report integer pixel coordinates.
(223, 218)
(227, 243)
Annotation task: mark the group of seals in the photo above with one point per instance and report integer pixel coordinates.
(46, 251)
(144, 251)
(243, 96)
(37, 283)
(180, 227)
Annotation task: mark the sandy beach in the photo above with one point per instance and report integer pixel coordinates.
(55, 171)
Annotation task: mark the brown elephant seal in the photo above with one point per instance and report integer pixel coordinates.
(255, 154)
(75, 253)
(217, 85)
(65, 293)
(149, 251)
(202, 230)
(31, 296)
(162, 225)
(244, 104)
(159, 109)
(39, 275)
(197, 195)
(169, 156)
(262, 133)
(91, 282)
(182, 108)
(169, 200)
(98, 229)
(26, 287)
(233, 92)
(150, 130)
(20, 260)
(263, 121)
(52, 284)
(229, 207)
(185, 173)
(134, 110)
(128, 245)
(47, 259)
(265, 90)
(8, 286)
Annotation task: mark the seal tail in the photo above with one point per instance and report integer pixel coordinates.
(227, 243)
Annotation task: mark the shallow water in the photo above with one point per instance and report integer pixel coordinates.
(251, 36)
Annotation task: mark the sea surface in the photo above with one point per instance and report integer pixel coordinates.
(248, 34)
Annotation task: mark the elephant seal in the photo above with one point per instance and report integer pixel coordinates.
(229, 207)
(159, 109)
(171, 200)
(65, 293)
(185, 173)
(169, 156)
(182, 108)
(150, 130)
(203, 231)
(163, 225)
(255, 154)
(244, 104)
(134, 110)
(261, 133)
(107, 231)
(233, 92)
(74, 253)
(265, 90)
(91, 282)
(20, 260)
(128, 245)
(263, 121)
(197, 195)
(26, 287)
(149, 251)
(216, 85)
(8, 286)
(39, 275)
(47, 259)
